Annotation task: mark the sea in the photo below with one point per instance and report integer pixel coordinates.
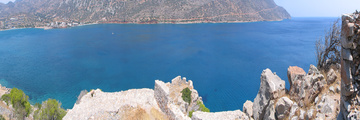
(224, 60)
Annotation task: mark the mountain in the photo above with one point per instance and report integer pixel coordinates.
(41, 12)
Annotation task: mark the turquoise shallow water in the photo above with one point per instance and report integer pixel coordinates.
(223, 60)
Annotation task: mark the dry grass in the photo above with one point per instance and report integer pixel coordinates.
(135, 114)
(157, 115)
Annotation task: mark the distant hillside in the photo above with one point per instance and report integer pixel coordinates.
(39, 12)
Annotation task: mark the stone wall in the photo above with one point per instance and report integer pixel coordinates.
(350, 77)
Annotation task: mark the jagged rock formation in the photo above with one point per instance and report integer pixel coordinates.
(271, 88)
(350, 77)
(164, 102)
(47, 12)
(311, 96)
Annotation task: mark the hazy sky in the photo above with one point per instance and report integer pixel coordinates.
(319, 8)
(311, 8)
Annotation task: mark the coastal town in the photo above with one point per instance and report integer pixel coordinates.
(22, 21)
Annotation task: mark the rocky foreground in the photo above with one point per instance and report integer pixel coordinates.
(311, 96)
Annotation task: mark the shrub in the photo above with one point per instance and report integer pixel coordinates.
(50, 110)
(190, 113)
(328, 48)
(186, 95)
(2, 117)
(19, 101)
(202, 107)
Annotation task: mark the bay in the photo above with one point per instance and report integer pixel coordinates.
(224, 60)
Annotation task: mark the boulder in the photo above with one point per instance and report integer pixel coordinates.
(248, 108)
(227, 115)
(283, 107)
(293, 72)
(271, 87)
(331, 76)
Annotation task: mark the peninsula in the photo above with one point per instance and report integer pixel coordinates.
(68, 13)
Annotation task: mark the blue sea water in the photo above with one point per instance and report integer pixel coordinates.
(224, 60)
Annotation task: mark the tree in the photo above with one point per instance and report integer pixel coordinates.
(19, 101)
(328, 48)
(49, 110)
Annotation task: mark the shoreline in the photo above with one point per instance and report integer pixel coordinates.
(139, 23)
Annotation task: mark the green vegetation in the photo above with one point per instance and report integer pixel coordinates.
(19, 101)
(202, 107)
(49, 110)
(186, 95)
(190, 113)
(2, 117)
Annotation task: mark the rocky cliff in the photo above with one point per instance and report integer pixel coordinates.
(35, 13)
(350, 76)
(311, 96)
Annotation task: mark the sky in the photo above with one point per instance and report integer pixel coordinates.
(311, 8)
(319, 8)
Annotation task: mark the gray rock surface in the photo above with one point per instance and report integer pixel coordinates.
(248, 108)
(270, 111)
(104, 105)
(283, 107)
(271, 87)
(293, 72)
(331, 76)
(227, 115)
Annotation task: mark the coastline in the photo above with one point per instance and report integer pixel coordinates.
(109, 22)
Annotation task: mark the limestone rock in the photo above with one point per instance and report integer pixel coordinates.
(248, 108)
(176, 114)
(346, 54)
(271, 87)
(283, 107)
(161, 95)
(310, 114)
(302, 115)
(130, 104)
(313, 70)
(227, 115)
(293, 72)
(331, 76)
(293, 110)
(270, 111)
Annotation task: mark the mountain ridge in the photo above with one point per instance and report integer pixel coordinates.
(37, 13)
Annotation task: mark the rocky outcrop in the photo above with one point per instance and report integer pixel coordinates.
(306, 87)
(131, 104)
(227, 115)
(271, 87)
(350, 68)
(310, 96)
(164, 102)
